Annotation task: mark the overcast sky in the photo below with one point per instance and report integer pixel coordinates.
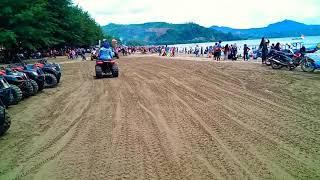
(233, 13)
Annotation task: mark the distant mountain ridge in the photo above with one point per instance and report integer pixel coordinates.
(160, 33)
(286, 28)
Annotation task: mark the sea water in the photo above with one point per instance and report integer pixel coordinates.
(308, 41)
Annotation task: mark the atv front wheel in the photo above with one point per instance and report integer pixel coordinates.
(35, 87)
(4, 120)
(7, 101)
(17, 94)
(50, 81)
(28, 89)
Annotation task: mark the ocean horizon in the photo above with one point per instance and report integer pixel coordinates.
(308, 41)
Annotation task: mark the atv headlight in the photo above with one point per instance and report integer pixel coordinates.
(34, 73)
(4, 84)
(57, 67)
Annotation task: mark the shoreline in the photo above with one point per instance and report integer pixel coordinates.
(185, 57)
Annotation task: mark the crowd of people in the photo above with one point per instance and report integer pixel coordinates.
(167, 51)
(217, 52)
(75, 53)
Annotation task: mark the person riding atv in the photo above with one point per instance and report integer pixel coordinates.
(105, 65)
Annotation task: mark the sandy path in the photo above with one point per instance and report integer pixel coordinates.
(164, 119)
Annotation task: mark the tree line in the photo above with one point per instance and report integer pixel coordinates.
(28, 25)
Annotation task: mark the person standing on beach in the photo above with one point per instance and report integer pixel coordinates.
(173, 52)
(215, 51)
(159, 50)
(201, 51)
(167, 49)
(197, 51)
(219, 50)
(226, 52)
(235, 52)
(264, 48)
(210, 51)
(246, 50)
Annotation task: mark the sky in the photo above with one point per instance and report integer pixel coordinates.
(231, 13)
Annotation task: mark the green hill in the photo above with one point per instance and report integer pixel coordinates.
(160, 33)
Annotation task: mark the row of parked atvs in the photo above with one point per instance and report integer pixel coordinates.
(18, 81)
(309, 61)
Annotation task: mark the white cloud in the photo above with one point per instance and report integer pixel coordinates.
(234, 13)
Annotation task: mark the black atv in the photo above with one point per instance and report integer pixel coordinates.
(5, 92)
(5, 121)
(108, 68)
(10, 94)
(52, 72)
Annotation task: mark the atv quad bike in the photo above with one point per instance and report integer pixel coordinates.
(108, 67)
(19, 79)
(34, 73)
(5, 121)
(52, 72)
(5, 92)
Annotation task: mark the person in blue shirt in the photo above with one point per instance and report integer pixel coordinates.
(105, 52)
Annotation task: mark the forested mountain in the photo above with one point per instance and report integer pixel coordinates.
(165, 33)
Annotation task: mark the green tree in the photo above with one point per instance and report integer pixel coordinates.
(24, 24)
(41, 24)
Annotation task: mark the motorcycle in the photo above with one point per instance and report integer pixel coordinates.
(311, 62)
(280, 59)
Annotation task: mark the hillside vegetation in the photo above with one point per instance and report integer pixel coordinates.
(165, 33)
